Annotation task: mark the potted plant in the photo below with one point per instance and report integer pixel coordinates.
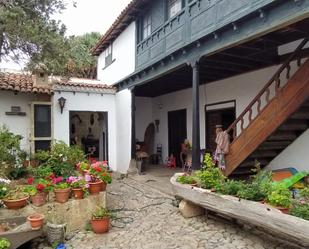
(55, 227)
(62, 190)
(16, 199)
(38, 192)
(100, 177)
(4, 243)
(280, 197)
(36, 221)
(79, 186)
(83, 167)
(100, 220)
(4, 188)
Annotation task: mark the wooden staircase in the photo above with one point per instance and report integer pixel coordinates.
(276, 117)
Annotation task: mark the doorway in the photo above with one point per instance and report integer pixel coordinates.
(224, 116)
(177, 132)
(89, 131)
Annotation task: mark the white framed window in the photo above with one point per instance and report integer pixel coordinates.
(41, 123)
(108, 55)
(146, 26)
(174, 7)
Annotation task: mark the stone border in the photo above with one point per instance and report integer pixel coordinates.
(287, 227)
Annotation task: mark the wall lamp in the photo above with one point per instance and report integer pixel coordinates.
(61, 102)
(157, 123)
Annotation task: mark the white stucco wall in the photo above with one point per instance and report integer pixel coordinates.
(84, 102)
(243, 89)
(123, 52)
(144, 106)
(124, 123)
(20, 125)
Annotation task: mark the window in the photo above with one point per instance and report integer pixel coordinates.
(174, 7)
(42, 128)
(146, 26)
(108, 56)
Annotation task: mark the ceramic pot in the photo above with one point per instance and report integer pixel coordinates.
(36, 221)
(95, 187)
(55, 232)
(78, 193)
(103, 186)
(283, 210)
(16, 204)
(62, 195)
(39, 199)
(100, 225)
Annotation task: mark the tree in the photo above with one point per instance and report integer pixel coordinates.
(27, 30)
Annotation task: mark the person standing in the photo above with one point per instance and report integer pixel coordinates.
(223, 144)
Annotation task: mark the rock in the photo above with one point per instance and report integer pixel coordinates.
(189, 210)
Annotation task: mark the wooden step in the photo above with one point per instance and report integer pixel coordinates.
(294, 126)
(249, 163)
(278, 145)
(302, 113)
(263, 154)
(282, 135)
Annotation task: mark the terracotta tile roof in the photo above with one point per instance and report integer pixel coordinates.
(123, 20)
(22, 82)
(83, 85)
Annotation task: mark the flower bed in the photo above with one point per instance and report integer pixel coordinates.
(267, 217)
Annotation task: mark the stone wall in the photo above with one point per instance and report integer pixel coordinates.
(75, 213)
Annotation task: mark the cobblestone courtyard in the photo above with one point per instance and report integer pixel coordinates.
(147, 218)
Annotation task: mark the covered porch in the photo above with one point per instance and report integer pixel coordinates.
(208, 89)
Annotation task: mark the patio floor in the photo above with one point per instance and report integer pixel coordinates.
(157, 177)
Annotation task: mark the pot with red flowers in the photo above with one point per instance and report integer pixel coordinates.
(99, 177)
(38, 191)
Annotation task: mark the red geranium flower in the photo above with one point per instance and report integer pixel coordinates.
(40, 187)
(30, 180)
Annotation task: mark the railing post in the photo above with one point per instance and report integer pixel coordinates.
(196, 147)
(133, 111)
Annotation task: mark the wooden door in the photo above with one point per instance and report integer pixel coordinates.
(177, 132)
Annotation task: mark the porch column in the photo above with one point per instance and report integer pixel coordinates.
(133, 136)
(196, 147)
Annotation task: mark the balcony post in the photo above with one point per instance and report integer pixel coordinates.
(133, 134)
(196, 147)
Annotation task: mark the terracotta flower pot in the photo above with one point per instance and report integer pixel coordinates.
(283, 210)
(103, 186)
(62, 195)
(16, 204)
(95, 187)
(39, 199)
(78, 193)
(100, 225)
(36, 221)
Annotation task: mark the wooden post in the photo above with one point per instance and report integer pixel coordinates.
(196, 150)
(133, 134)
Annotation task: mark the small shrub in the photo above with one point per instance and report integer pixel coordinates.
(300, 210)
(280, 196)
(100, 212)
(186, 179)
(41, 171)
(231, 187)
(4, 243)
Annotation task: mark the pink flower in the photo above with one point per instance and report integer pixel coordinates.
(87, 178)
(87, 185)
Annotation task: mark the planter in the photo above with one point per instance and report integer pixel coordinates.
(62, 195)
(100, 226)
(78, 193)
(36, 221)
(103, 186)
(55, 233)
(39, 199)
(16, 204)
(283, 210)
(95, 187)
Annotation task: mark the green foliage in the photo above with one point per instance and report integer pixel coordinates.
(280, 196)
(11, 155)
(30, 189)
(62, 185)
(186, 179)
(231, 187)
(16, 194)
(300, 210)
(210, 176)
(4, 189)
(304, 193)
(100, 213)
(4, 243)
(41, 171)
(61, 160)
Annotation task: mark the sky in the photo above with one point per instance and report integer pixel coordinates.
(87, 16)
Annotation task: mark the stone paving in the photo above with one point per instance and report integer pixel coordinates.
(148, 219)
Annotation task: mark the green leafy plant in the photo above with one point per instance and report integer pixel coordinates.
(210, 177)
(186, 179)
(304, 194)
(300, 209)
(62, 185)
(11, 155)
(101, 212)
(41, 171)
(231, 187)
(4, 189)
(16, 194)
(4, 243)
(280, 196)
